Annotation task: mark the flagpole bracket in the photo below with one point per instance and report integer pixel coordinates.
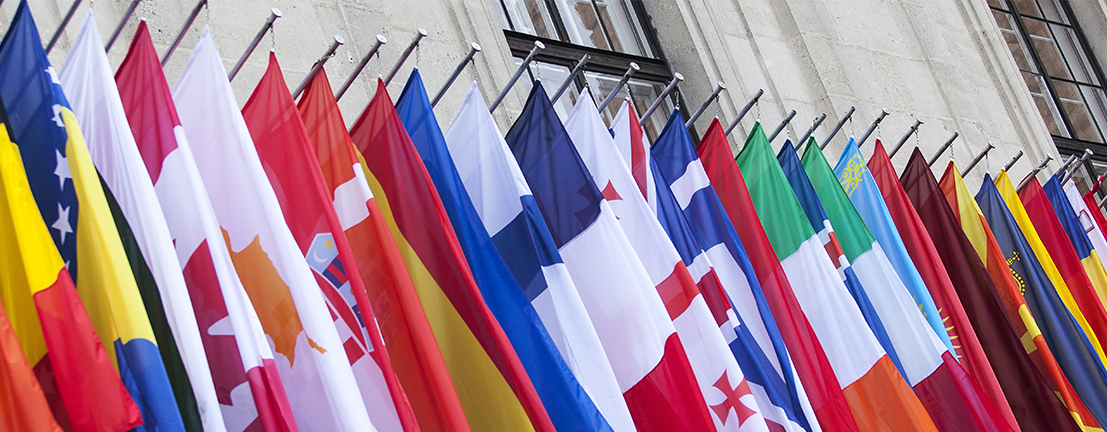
(781, 126)
(619, 86)
(338, 40)
(719, 87)
(943, 149)
(538, 46)
(872, 127)
(273, 15)
(1011, 163)
(381, 40)
(976, 160)
(838, 127)
(811, 130)
(903, 140)
(677, 78)
(745, 110)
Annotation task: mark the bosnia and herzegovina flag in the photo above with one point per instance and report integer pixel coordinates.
(48, 325)
(405, 330)
(1090, 300)
(493, 385)
(877, 394)
(953, 400)
(1044, 318)
(569, 406)
(1005, 351)
(724, 195)
(71, 200)
(510, 213)
(824, 229)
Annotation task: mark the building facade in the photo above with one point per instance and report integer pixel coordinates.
(1023, 74)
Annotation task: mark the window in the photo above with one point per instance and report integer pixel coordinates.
(613, 32)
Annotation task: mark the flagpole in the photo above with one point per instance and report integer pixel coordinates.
(572, 75)
(872, 127)
(180, 35)
(838, 127)
(719, 87)
(780, 127)
(381, 40)
(811, 130)
(273, 15)
(1038, 169)
(538, 46)
(119, 28)
(61, 27)
(677, 78)
(1068, 175)
(419, 35)
(474, 48)
(1012, 162)
(943, 149)
(744, 111)
(977, 159)
(915, 127)
(318, 65)
(622, 82)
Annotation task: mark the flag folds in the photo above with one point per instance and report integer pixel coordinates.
(1085, 220)
(491, 381)
(405, 330)
(309, 352)
(638, 335)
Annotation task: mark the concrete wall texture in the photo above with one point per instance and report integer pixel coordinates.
(942, 61)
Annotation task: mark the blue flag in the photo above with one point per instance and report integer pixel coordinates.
(1070, 346)
(568, 405)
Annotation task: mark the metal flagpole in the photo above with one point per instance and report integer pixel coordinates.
(119, 28)
(538, 46)
(811, 130)
(474, 48)
(1068, 175)
(381, 40)
(273, 15)
(838, 127)
(976, 160)
(780, 127)
(943, 149)
(572, 75)
(872, 127)
(1013, 160)
(719, 87)
(184, 29)
(419, 35)
(914, 127)
(745, 110)
(622, 82)
(1038, 169)
(61, 27)
(318, 65)
(677, 78)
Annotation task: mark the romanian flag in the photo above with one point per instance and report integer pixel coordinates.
(1047, 321)
(569, 406)
(286, 153)
(953, 400)
(1085, 219)
(923, 252)
(877, 394)
(71, 199)
(245, 376)
(492, 383)
(1090, 301)
(981, 301)
(726, 186)
(406, 332)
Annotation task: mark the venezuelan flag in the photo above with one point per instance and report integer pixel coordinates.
(71, 200)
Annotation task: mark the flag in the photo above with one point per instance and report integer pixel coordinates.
(87, 79)
(1085, 217)
(820, 223)
(726, 185)
(1013, 367)
(638, 336)
(565, 400)
(1059, 261)
(246, 380)
(1048, 322)
(1096, 214)
(71, 199)
(1075, 241)
(953, 400)
(860, 187)
(403, 323)
(75, 378)
(877, 394)
(720, 378)
(310, 357)
(510, 214)
(491, 382)
(783, 402)
(967, 347)
(286, 154)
